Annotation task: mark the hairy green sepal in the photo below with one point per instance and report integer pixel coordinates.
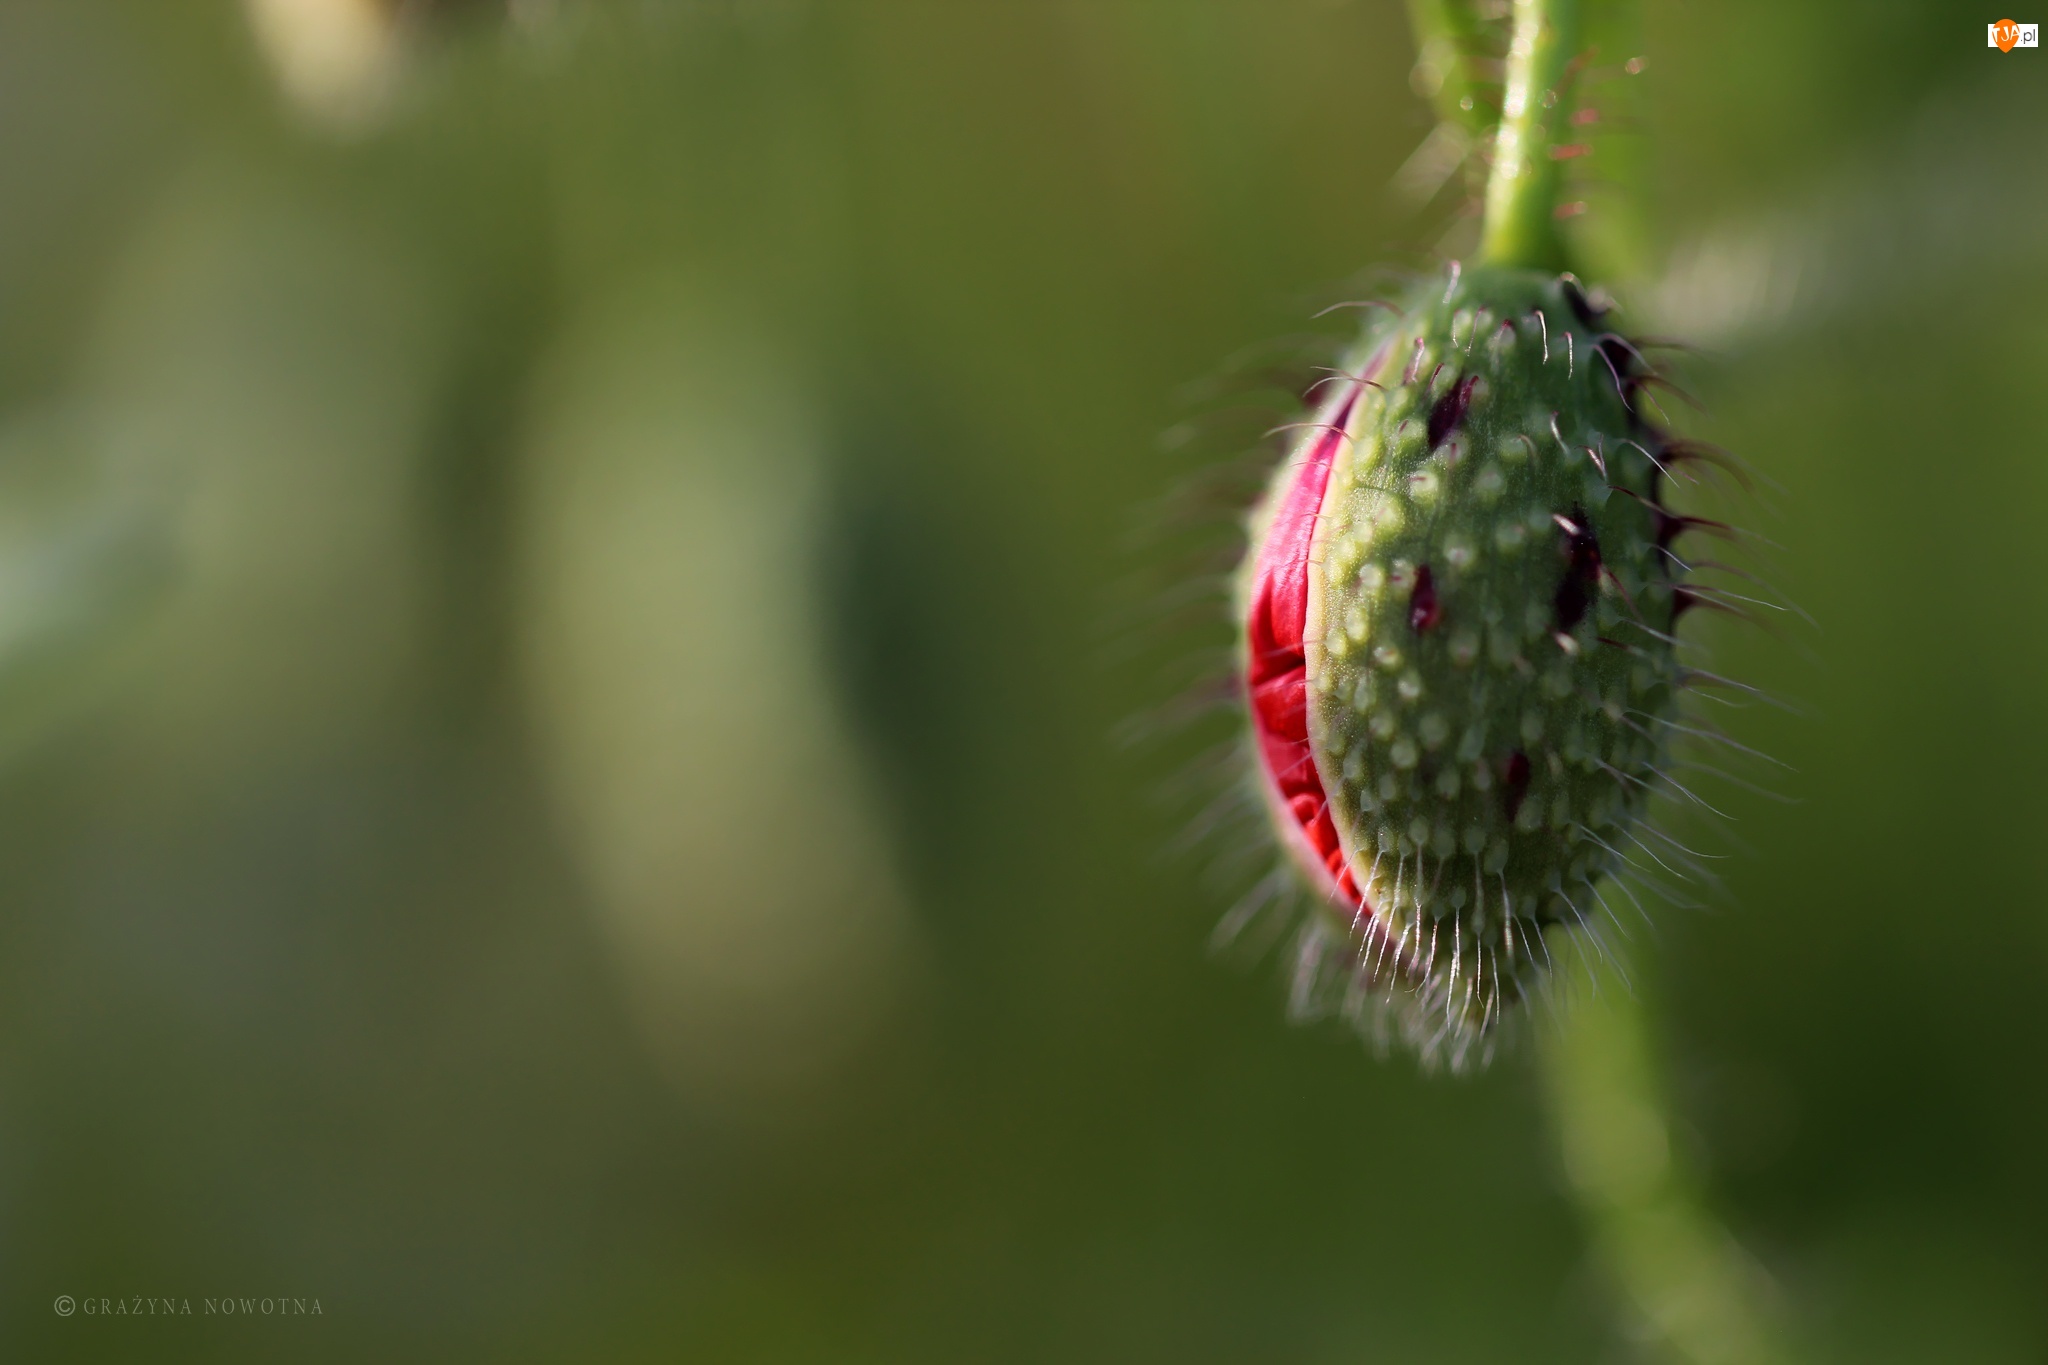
(1488, 755)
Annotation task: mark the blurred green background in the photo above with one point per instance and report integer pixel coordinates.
(560, 641)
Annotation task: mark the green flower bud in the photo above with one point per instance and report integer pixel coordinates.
(1458, 652)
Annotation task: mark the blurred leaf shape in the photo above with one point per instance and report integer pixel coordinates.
(668, 516)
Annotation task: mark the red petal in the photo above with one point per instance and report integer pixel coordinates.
(1276, 671)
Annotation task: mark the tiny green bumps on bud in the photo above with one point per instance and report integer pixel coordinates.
(1457, 622)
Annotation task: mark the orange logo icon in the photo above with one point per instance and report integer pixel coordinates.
(2005, 35)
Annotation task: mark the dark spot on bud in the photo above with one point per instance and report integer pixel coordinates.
(1581, 571)
(1586, 310)
(1514, 781)
(1424, 611)
(1450, 410)
(1683, 600)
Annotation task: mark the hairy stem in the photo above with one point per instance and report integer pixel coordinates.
(1521, 193)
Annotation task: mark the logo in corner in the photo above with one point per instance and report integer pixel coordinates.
(2005, 35)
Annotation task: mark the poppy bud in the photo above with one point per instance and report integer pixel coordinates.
(1458, 657)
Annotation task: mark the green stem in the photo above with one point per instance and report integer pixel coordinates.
(1446, 37)
(1521, 193)
(1691, 1288)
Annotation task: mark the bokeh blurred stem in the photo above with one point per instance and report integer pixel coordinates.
(1521, 193)
(1695, 1294)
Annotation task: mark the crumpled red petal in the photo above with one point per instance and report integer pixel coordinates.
(1276, 674)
